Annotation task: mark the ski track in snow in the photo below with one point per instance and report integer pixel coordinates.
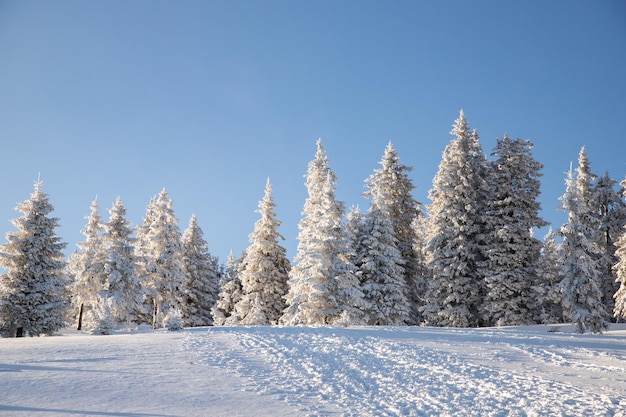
(419, 371)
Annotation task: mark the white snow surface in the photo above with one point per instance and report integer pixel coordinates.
(317, 371)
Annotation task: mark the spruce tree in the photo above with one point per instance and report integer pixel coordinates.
(611, 210)
(512, 214)
(123, 290)
(341, 256)
(619, 311)
(547, 289)
(580, 269)
(604, 216)
(381, 271)
(229, 294)
(34, 296)
(201, 287)
(311, 298)
(264, 269)
(160, 254)
(390, 190)
(454, 252)
(86, 267)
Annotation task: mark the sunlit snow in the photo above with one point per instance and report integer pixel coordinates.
(317, 371)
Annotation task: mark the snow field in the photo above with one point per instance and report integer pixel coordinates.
(422, 371)
(317, 371)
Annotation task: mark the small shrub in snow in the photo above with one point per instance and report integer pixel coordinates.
(173, 320)
(104, 319)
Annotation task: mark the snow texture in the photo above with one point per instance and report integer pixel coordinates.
(317, 371)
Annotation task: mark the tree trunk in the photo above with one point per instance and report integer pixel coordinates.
(19, 332)
(155, 314)
(80, 317)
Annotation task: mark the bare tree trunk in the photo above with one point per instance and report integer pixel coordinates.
(80, 317)
(155, 314)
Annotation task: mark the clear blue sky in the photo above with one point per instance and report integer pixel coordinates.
(209, 98)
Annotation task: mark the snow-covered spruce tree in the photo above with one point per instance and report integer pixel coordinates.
(86, 268)
(143, 254)
(34, 295)
(611, 210)
(390, 190)
(103, 319)
(547, 289)
(264, 269)
(160, 255)
(202, 284)
(580, 269)
(355, 227)
(619, 311)
(123, 289)
(229, 294)
(311, 298)
(513, 252)
(381, 272)
(339, 249)
(604, 216)
(585, 183)
(455, 290)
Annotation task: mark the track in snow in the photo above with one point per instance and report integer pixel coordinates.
(421, 371)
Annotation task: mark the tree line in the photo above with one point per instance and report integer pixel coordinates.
(468, 259)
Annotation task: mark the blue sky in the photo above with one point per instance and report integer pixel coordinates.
(209, 98)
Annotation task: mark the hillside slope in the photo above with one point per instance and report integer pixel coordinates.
(316, 371)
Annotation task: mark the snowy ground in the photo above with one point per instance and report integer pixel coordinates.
(317, 371)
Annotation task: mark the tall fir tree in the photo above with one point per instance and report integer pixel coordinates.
(580, 269)
(619, 310)
(160, 254)
(34, 294)
(339, 252)
(123, 290)
(201, 287)
(229, 294)
(611, 210)
(311, 298)
(390, 189)
(513, 252)
(547, 289)
(382, 274)
(264, 269)
(143, 254)
(454, 252)
(86, 268)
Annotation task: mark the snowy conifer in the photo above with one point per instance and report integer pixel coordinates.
(86, 267)
(510, 269)
(103, 318)
(381, 272)
(455, 289)
(390, 190)
(34, 296)
(547, 289)
(202, 284)
(341, 254)
(160, 254)
(611, 210)
(619, 311)
(580, 270)
(121, 266)
(264, 269)
(312, 289)
(585, 183)
(229, 295)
